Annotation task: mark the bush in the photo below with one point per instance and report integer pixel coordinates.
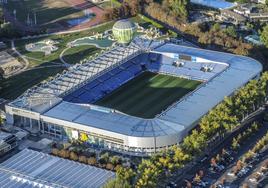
(73, 156)
(92, 161)
(109, 166)
(55, 151)
(64, 153)
(82, 159)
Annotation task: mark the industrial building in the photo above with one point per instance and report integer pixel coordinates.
(30, 168)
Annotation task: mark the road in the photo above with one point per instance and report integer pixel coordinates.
(195, 166)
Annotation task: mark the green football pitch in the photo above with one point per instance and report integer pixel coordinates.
(148, 94)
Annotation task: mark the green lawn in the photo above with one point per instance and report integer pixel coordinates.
(148, 94)
(48, 12)
(76, 54)
(62, 39)
(14, 86)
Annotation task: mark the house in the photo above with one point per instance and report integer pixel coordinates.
(262, 17)
(232, 17)
(244, 9)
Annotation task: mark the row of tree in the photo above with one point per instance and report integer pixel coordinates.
(175, 14)
(225, 117)
(104, 161)
(128, 8)
(241, 137)
(168, 9)
(172, 12)
(264, 35)
(256, 149)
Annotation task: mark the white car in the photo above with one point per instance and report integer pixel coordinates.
(253, 180)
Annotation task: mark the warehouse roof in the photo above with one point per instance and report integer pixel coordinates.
(217, 4)
(32, 169)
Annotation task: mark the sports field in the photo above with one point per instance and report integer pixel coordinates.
(148, 94)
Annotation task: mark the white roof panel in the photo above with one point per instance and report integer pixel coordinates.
(30, 168)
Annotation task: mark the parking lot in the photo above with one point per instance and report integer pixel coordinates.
(216, 169)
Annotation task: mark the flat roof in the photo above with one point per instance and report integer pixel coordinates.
(30, 168)
(217, 4)
(182, 115)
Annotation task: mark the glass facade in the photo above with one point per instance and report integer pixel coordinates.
(124, 36)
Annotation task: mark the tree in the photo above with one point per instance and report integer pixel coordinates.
(230, 30)
(55, 151)
(178, 8)
(264, 36)
(117, 183)
(73, 156)
(82, 159)
(134, 5)
(194, 142)
(235, 144)
(125, 174)
(197, 178)
(64, 153)
(105, 158)
(109, 166)
(92, 161)
(249, 26)
(115, 160)
(7, 30)
(216, 27)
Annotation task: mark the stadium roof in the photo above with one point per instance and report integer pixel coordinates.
(178, 118)
(117, 122)
(191, 108)
(217, 4)
(43, 97)
(32, 169)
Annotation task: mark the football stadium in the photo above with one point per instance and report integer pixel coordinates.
(138, 98)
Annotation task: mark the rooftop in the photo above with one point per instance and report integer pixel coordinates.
(32, 169)
(124, 24)
(217, 4)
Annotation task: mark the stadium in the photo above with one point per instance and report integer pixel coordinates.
(137, 99)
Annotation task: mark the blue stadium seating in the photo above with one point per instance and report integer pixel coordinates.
(108, 82)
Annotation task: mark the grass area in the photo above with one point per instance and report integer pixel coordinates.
(148, 94)
(14, 86)
(150, 21)
(63, 40)
(47, 11)
(109, 4)
(76, 54)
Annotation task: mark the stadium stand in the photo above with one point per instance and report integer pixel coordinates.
(108, 82)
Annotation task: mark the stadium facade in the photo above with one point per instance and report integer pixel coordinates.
(63, 107)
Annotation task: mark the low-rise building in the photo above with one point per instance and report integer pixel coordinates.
(244, 9)
(262, 17)
(233, 17)
(7, 142)
(33, 169)
(8, 63)
(253, 39)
